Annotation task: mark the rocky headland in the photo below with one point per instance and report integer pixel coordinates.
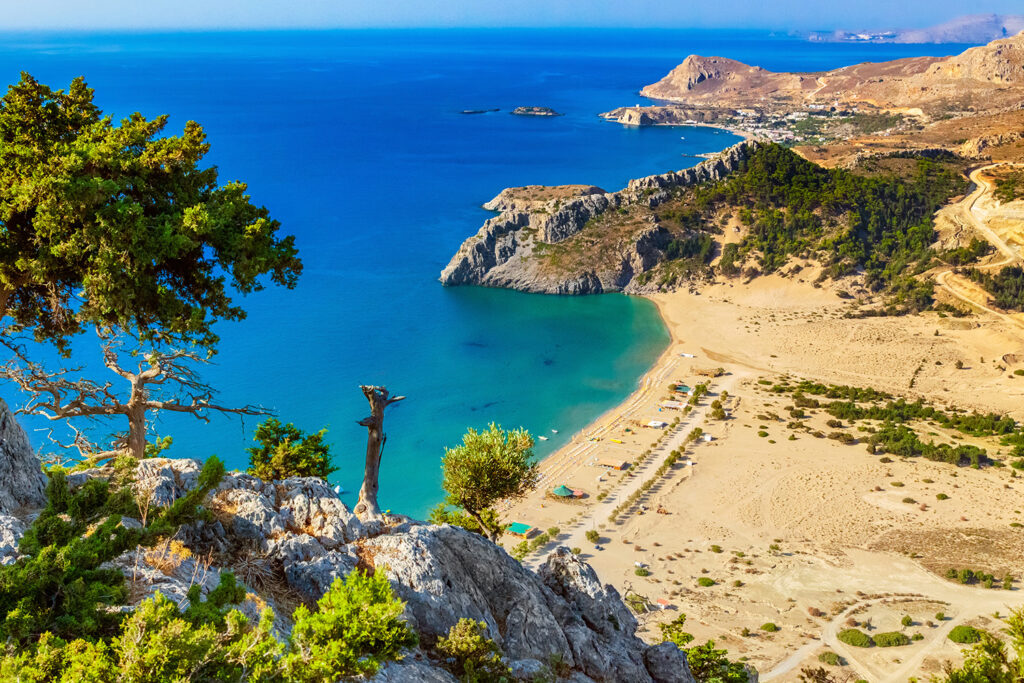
(288, 540)
(518, 249)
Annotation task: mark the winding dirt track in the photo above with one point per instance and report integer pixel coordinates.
(964, 212)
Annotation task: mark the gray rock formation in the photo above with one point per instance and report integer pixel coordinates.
(11, 530)
(22, 482)
(503, 253)
(443, 573)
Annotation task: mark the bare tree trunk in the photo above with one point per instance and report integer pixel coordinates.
(378, 397)
(487, 531)
(137, 432)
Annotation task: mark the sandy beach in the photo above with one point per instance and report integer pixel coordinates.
(793, 529)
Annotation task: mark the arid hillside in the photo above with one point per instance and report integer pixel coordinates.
(986, 77)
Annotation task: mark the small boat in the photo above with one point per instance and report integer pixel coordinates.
(554, 431)
(682, 137)
(543, 438)
(338, 490)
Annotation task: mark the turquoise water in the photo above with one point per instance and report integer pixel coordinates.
(354, 141)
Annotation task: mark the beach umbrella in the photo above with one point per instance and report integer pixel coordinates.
(563, 491)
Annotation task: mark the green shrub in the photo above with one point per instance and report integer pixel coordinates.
(705, 582)
(909, 500)
(521, 550)
(941, 496)
(769, 627)
(593, 536)
(891, 639)
(642, 571)
(576, 550)
(716, 548)
(58, 585)
(553, 531)
(830, 658)
(907, 620)
(964, 634)
(897, 484)
(940, 616)
(471, 655)
(285, 451)
(855, 637)
(917, 636)
(355, 628)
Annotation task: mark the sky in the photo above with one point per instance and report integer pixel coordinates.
(241, 14)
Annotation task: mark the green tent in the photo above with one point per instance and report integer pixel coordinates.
(563, 491)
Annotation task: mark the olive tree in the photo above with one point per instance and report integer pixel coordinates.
(488, 467)
(121, 226)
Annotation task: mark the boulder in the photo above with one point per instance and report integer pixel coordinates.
(22, 482)
(11, 531)
(667, 664)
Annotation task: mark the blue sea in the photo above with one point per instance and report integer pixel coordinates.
(354, 140)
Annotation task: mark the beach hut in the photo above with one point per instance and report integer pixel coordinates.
(613, 464)
(562, 491)
(519, 529)
(672, 405)
(657, 424)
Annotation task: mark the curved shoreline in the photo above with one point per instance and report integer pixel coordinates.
(582, 441)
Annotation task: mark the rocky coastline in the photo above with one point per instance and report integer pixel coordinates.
(505, 251)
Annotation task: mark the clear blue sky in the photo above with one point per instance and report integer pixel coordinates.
(772, 14)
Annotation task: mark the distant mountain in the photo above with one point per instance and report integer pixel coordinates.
(973, 28)
(980, 78)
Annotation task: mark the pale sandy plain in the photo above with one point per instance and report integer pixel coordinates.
(844, 544)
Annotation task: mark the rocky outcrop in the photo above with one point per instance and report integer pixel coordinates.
(22, 482)
(504, 252)
(562, 613)
(11, 530)
(661, 115)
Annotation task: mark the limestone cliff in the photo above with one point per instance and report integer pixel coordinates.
(21, 478)
(508, 250)
(293, 537)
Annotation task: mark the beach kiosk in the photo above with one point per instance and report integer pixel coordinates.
(562, 491)
(519, 529)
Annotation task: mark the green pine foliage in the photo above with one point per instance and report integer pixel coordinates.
(471, 655)
(1010, 187)
(706, 663)
(880, 223)
(355, 628)
(58, 586)
(139, 234)
(1006, 286)
(285, 451)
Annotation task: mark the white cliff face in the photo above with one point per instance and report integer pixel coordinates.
(22, 482)
(502, 253)
(302, 531)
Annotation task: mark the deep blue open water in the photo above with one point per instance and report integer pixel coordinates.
(353, 140)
